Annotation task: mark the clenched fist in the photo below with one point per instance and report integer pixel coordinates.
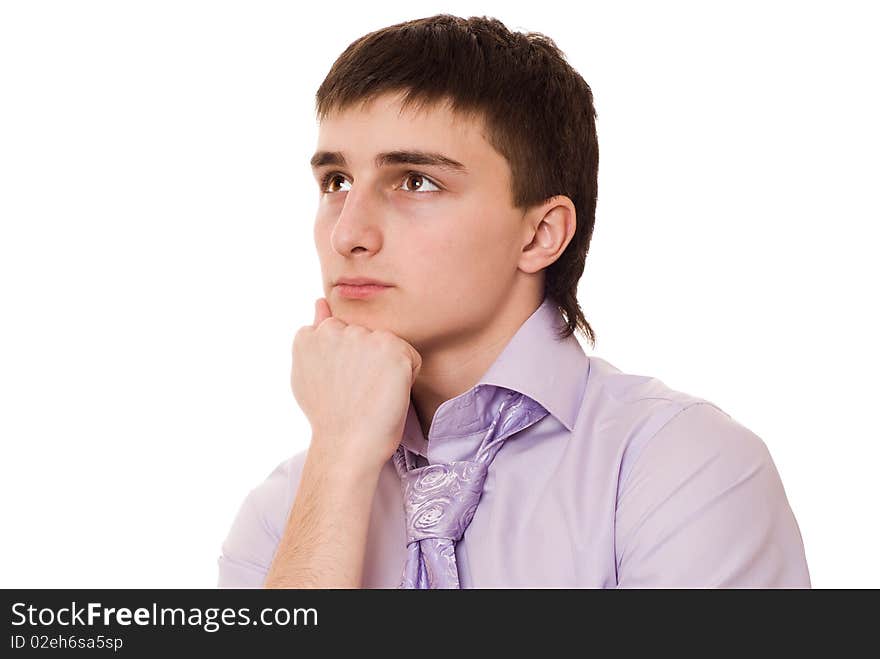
(354, 386)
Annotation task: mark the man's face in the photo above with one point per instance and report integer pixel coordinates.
(448, 240)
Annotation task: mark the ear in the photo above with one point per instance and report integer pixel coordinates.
(548, 230)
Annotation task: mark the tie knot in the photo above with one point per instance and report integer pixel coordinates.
(440, 500)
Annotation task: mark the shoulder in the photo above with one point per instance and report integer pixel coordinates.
(699, 499)
(663, 437)
(704, 506)
(627, 412)
(249, 546)
(273, 497)
(689, 437)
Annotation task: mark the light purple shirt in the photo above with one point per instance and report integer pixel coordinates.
(626, 483)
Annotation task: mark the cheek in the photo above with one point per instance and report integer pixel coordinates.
(319, 234)
(440, 259)
(451, 270)
(322, 233)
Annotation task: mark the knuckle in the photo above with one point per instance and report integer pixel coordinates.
(300, 335)
(354, 330)
(329, 325)
(389, 344)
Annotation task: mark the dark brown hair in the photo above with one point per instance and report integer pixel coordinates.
(537, 110)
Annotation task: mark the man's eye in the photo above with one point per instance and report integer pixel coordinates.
(424, 179)
(421, 179)
(328, 178)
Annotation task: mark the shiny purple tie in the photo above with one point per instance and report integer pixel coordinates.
(440, 499)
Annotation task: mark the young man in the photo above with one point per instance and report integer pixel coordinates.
(460, 435)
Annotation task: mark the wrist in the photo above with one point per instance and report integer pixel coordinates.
(341, 468)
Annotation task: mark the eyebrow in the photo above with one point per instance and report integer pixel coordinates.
(400, 157)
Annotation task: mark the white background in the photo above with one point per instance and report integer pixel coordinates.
(156, 254)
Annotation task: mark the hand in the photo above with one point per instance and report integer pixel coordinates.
(354, 386)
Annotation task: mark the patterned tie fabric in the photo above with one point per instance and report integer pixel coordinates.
(440, 499)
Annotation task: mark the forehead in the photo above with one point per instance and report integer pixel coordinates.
(361, 131)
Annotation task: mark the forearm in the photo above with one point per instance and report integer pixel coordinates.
(324, 542)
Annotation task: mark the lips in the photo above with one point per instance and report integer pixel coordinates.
(359, 292)
(361, 281)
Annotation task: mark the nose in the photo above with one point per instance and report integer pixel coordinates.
(357, 226)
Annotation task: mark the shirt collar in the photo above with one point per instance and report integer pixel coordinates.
(534, 362)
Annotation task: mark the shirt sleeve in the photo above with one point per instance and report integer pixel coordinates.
(704, 507)
(249, 548)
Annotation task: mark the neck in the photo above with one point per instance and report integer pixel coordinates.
(448, 371)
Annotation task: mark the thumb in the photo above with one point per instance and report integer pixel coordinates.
(322, 311)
